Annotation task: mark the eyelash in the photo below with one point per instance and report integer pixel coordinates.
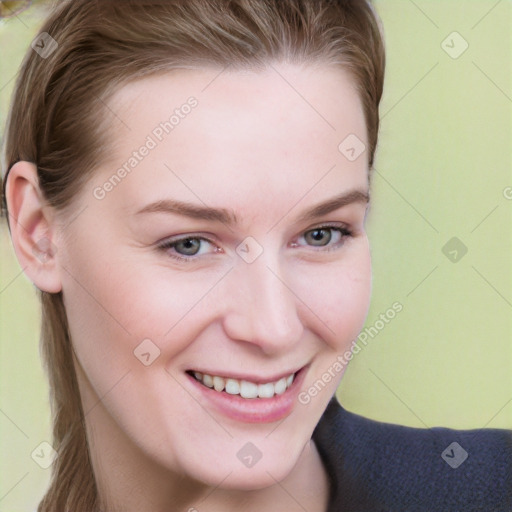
(344, 231)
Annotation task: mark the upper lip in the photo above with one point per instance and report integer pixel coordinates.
(258, 379)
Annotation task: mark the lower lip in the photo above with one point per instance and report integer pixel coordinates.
(252, 410)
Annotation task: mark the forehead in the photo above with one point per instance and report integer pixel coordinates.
(212, 132)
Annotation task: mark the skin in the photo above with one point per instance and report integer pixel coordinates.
(267, 148)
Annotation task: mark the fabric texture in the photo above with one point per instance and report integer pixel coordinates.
(382, 467)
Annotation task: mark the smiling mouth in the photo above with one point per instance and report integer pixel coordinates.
(244, 388)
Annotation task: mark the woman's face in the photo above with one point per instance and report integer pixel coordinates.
(233, 246)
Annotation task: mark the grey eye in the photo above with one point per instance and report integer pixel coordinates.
(318, 236)
(187, 246)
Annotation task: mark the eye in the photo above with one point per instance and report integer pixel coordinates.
(331, 236)
(187, 248)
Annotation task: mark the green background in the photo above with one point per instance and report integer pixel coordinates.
(443, 164)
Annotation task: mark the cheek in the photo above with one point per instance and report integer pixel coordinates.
(134, 299)
(339, 296)
(114, 308)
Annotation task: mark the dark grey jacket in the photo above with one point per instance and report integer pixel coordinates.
(382, 467)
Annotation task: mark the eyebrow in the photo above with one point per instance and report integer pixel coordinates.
(225, 216)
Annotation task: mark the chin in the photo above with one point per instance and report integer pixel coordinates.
(241, 478)
(253, 479)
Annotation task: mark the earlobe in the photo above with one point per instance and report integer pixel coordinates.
(33, 228)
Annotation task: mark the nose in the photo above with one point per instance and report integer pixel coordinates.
(261, 308)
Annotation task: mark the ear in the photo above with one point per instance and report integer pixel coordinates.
(33, 229)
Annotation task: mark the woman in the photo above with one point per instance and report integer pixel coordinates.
(187, 187)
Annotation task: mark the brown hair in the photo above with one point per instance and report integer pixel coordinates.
(103, 44)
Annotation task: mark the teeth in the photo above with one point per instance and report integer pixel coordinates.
(232, 386)
(207, 380)
(266, 390)
(248, 389)
(244, 388)
(218, 383)
(280, 386)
